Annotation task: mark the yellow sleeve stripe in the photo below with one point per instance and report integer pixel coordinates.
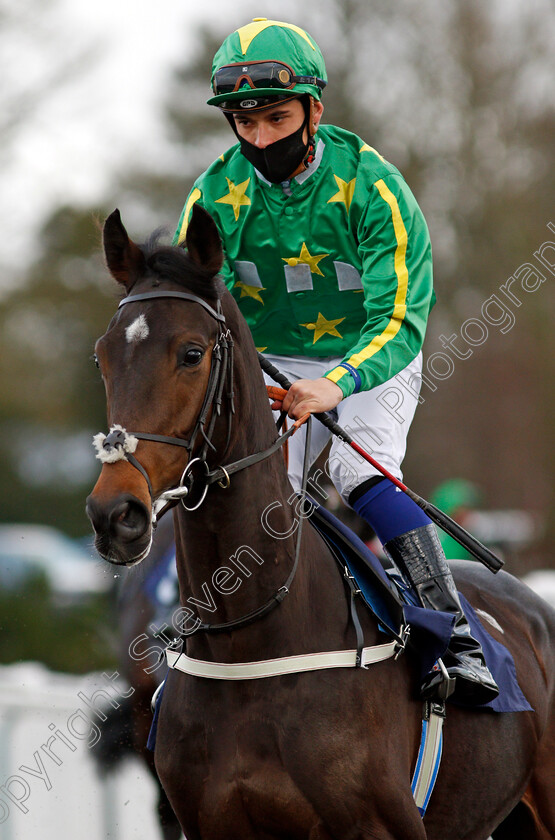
(367, 148)
(400, 305)
(336, 374)
(195, 195)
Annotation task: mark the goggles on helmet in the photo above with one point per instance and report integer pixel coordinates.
(259, 74)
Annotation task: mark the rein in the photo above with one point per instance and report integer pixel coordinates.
(120, 444)
(276, 599)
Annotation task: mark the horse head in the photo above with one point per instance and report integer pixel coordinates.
(157, 363)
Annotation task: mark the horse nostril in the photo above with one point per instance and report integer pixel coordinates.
(122, 528)
(124, 519)
(129, 520)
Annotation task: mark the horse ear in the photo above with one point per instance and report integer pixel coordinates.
(203, 241)
(124, 258)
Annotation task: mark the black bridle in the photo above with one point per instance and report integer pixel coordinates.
(221, 372)
(117, 444)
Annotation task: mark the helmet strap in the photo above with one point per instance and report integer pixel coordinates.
(312, 127)
(308, 105)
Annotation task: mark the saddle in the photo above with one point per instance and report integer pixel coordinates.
(395, 604)
(387, 595)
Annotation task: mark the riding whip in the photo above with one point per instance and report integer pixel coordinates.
(470, 543)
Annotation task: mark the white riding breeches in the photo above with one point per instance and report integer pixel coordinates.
(379, 420)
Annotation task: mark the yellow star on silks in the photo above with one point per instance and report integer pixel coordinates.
(307, 259)
(345, 194)
(251, 291)
(236, 196)
(322, 326)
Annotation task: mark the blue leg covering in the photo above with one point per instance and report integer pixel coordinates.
(414, 545)
(389, 511)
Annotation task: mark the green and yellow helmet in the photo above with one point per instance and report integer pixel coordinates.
(264, 62)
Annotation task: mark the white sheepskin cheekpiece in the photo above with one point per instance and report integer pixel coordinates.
(109, 454)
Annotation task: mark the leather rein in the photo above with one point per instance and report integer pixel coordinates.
(119, 444)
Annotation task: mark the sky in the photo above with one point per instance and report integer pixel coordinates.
(105, 109)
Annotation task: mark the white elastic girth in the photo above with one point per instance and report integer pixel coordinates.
(275, 667)
(429, 755)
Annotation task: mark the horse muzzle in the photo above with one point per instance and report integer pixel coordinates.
(123, 527)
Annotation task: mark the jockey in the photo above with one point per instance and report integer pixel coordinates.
(328, 257)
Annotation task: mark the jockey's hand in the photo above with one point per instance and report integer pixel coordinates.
(311, 396)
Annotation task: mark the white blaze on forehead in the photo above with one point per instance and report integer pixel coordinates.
(138, 330)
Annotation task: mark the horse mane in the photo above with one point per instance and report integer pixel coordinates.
(173, 263)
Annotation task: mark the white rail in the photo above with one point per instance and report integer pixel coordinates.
(48, 783)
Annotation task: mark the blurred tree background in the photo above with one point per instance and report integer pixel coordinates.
(459, 96)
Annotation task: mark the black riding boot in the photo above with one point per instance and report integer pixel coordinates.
(419, 555)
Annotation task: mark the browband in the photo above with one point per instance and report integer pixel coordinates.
(219, 316)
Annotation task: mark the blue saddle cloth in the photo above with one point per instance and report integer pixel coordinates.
(394, 603)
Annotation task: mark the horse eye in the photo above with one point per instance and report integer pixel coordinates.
(95, 360)
(191, 357)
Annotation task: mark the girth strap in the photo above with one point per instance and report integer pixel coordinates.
(429, 754)
(277, 667)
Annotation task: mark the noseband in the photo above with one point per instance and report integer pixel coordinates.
(120, 444)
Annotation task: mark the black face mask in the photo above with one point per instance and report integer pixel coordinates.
(280, 159)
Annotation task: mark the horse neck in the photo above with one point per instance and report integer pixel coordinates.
(238, 548)
(230, 564)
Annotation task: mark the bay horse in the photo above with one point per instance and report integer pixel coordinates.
(316, 755)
